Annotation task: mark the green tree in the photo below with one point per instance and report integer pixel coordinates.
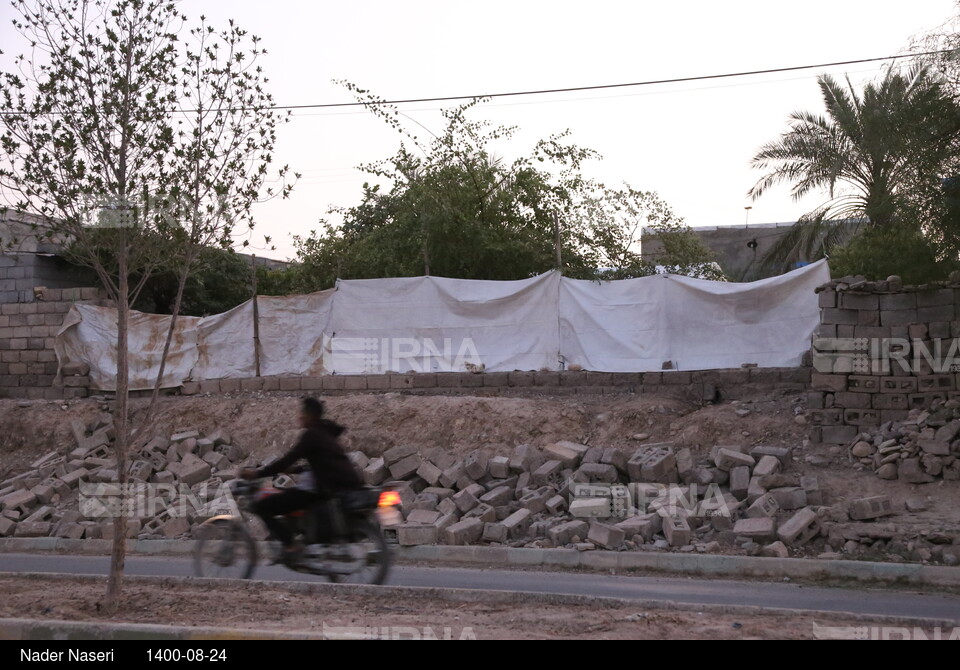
(451, 207)
(879, 155)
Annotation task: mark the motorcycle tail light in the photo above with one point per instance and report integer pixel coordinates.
(389, 499)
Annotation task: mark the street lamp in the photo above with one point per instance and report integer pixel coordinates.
(746, 221)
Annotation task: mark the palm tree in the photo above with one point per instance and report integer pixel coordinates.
(874, 153)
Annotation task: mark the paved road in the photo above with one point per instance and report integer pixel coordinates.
(663, 589)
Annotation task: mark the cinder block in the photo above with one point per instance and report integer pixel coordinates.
(727, 459)
(526, 458)
(861, 417)
(898, 301)
(888, 401)
(935, 298)
(898, 385)
(760, 529)
(830, 383)
(607, 537)
(565, 533)
(406, 467)
(845, 317)
(860, 301)
(646, 526)
(870, 508)
(654, 463)
(827, 299)
(935, 314)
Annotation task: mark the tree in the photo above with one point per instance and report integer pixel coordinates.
(223, 145)
(879, 154)
(616, 220)
(94, 146)
(451, 207)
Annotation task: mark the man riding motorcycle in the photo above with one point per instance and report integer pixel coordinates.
(333, 473)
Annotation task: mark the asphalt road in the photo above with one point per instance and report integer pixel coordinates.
(696, 591)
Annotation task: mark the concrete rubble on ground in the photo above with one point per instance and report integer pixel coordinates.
(174, 482)
(922, 449)
(654, 497)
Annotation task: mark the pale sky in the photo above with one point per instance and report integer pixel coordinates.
(690, 142)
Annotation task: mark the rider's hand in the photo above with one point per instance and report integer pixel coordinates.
(248, 473)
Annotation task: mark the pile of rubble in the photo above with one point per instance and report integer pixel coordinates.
(75, 494)
(920, 450)
(565, 495)
(892, 284)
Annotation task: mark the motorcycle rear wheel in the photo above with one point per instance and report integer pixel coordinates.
(225, 549)
(370, 559)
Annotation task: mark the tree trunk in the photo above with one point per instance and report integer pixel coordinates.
(182, 283)
(118, 555)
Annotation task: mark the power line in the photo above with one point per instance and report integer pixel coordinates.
(606, 86)
(574, 89)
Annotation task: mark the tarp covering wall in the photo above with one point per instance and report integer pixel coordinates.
(431, 324)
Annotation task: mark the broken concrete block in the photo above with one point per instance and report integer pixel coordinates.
(740, 481)
(397, 454)
(406, 467)
(466, 531)
(452, 475)
(424, 501)
(800, 528)
(140, 471)
(790, 498)
(499, 467)
(447, 506)
(870, 508)
(494, 532)
(498, 496)
(568, 457)
(728, 459)
(775, 550)
(765, 506)
(412, 535)
(424, 516)
(192, 472)
(44, 493)
(548, 474)
(475, 465)
(685, 464)
(33, 529)
(654, 463)
(597, 472)
(615, 457)
(429, 473)
(782, 454)
(646, 526)
(465, 500)
(375, 473)
(484, 512)
(565, 532)
(608, 537)
(536, 501)
(762, 529)
(768, 465)
(526, 458)
(187, 434)
(676, 530)
(518, 523)
(556, 504)
(911, 472)
(7, 527)
(232, 452)
(216, 460)
(21, 500)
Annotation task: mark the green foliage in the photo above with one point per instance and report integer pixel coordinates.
(879, 154)
(878, 253)
(452, 208)
(221, 281)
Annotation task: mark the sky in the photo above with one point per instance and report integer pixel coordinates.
(690, 142)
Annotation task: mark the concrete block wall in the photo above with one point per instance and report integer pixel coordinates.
(28, 364)
(882, 349)
(696, 386)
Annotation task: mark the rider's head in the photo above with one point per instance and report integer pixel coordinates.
(311, 412)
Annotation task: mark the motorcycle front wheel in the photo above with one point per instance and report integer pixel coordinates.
(225, 549)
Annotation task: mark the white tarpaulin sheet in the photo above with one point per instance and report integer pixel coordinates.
(431, 324)
(635, 325)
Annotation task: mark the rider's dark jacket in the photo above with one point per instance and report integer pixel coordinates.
(318, 445)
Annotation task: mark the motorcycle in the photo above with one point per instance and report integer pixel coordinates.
(359, 552)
